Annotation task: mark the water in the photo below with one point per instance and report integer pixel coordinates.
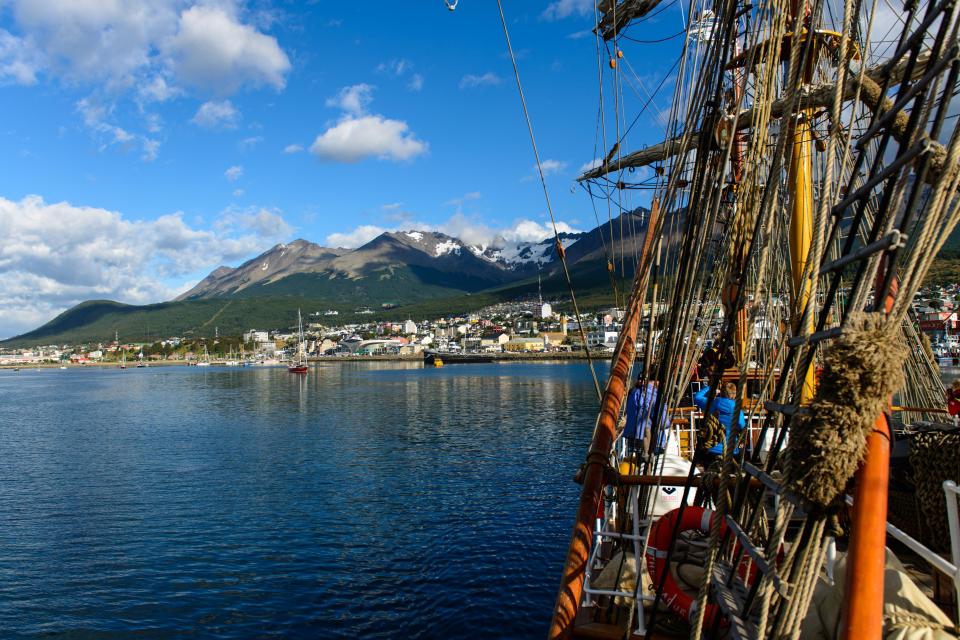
(378, 500)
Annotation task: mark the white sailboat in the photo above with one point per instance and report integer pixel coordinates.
(299, 364)
(206, 358)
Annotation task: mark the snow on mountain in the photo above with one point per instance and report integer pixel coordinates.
(444, 248)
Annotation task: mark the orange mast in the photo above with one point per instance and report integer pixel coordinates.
(598, 457)
(863, 593)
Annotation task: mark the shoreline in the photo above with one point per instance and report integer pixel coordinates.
(485, 359)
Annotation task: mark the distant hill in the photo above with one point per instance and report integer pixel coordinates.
(421, 274)
(946, 267)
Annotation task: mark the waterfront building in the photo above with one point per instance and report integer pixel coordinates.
(524, 344)
(603, 337)
(255, 336)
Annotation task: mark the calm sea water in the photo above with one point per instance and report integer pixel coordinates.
(376, 500)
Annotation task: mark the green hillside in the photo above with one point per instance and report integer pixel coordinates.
(97, 320)
(396, 284)
(946, 268)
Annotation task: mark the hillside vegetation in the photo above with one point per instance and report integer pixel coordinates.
(98, 320)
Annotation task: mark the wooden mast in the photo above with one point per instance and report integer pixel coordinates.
(598, 457)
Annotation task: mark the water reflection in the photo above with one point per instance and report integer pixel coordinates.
(377, 499)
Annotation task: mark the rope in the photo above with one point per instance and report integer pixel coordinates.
(546, 195)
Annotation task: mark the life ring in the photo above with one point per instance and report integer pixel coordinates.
(699, 519)
(677, 600)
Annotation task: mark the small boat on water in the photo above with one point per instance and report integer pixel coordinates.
(437, 362)
(205, 362)
(299, 363)
(429, 357)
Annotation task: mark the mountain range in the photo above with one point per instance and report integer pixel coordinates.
(414, 273)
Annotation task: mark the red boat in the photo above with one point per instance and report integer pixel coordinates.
(302, 368)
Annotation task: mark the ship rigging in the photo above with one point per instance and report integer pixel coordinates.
(806, 181)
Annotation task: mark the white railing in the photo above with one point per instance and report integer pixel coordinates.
(951, 491)
(606, 529)
(951, 569)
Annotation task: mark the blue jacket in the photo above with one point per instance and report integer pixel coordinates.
(723, 408)
(640, 404)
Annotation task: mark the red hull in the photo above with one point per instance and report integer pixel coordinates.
(302, 369)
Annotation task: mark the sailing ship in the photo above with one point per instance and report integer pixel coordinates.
(806, 182)
(141, 363)
(299, 362)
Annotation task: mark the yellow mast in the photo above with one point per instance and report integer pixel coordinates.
(801, 232)
(801, 213)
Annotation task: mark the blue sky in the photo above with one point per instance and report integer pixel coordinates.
(145, 142)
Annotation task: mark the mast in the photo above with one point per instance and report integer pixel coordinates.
(571, 585)
(800, 187)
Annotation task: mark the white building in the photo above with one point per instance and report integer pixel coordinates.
(604, 337)
(409, 327)
(546, 311)
(257, 337)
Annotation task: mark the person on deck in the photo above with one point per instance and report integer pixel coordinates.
(640, 405)
(953, 400)
(724, 404)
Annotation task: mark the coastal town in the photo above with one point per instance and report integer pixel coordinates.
(524, 327)
(527, 327)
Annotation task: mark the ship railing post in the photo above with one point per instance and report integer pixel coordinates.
(953, 519)
(638, 587)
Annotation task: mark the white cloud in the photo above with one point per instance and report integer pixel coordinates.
(401, 67)
(19, 63)
(470, 231)
(471, 81)
(109, 42)
(359, 236)
(158, 90)
(214, 52)
(233, 173)
(249, 143)
(147, 51)
(154, 122)
(151, 148)
(263, 222)
(473, 195)
(238, 193)
(397, 66)
(524, 230)
(587, 166)
(58, 254)
(293, 148)
(551, 167)
(95, 118)
(559, 9)
(216, 115)
(353, 99)
(354, 138)
(125, 43)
